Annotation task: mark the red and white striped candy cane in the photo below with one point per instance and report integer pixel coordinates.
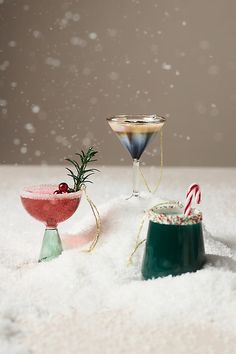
(193, 191)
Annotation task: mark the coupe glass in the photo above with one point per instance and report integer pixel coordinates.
(51, 209)
(135, 132)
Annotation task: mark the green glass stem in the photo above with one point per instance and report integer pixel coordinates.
(51, 246)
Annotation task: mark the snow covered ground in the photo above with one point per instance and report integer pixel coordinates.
(95, 303)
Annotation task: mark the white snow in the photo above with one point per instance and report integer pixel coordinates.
(23, 149)
(3, 102)
(12, 44)
(95, 303)
(75, 40)
(53, 62)
(35, 108)
(166, 66)
(93, 35)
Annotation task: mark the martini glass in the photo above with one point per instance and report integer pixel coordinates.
(51, 209)
(135, 132)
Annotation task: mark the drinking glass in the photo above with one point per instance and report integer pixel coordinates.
(51, 209)
(174, 243)
(135, 132)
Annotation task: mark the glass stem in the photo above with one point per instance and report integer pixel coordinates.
(51, 246)
(135, 177)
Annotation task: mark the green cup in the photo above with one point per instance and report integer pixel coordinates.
(174, 243)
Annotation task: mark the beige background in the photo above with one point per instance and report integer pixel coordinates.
(66, 65)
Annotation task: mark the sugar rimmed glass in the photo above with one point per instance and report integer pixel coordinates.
(51, 209)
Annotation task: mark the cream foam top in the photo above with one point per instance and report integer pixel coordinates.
(135, 127)
(45, 192)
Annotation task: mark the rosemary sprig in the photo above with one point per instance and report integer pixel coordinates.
(82, 173)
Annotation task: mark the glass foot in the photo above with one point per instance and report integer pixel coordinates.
(51, 247)
(133, 196)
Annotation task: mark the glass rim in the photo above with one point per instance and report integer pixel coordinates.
(172, 213)
(28, 192)
(150, 118)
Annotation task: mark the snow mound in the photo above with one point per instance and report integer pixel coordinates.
(79, 287)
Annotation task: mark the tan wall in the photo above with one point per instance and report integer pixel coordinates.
(66, 65)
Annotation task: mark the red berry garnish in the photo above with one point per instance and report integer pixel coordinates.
(63, 187)
(57, 192)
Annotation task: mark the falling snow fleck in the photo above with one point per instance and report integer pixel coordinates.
(68, 15)
(30, 128)
(12, 44)
(37, 34)
(3, 102)
(93, 35)
(53, 62)
(35, 108)
(23, 149)
(4, 65)
(76, 17)
(13, 84)
(16, 141)
(214, 110)
(78, 41)
(37, 153)
(166, 66)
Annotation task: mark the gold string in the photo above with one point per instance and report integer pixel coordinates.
(130, 259)
(161, 164)
(97, 219)
(161, 167)
(137, 242)
(145, 181)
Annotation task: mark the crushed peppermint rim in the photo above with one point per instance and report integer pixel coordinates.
(172, 213)
(45, 192)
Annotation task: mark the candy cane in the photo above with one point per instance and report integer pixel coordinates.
(193, 191)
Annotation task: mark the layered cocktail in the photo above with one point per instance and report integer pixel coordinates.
(135, 132)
